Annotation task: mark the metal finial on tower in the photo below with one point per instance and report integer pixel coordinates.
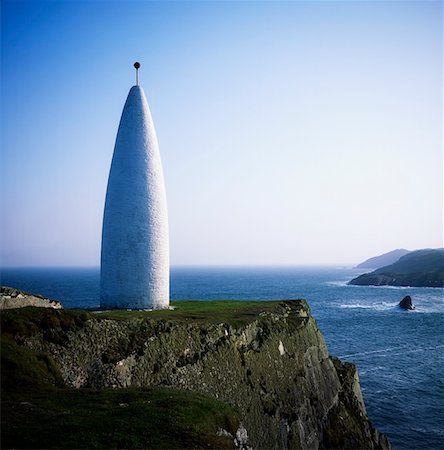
(137, 66)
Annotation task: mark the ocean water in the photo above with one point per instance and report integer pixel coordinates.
(399, 354)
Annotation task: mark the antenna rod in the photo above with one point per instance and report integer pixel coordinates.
(137, 66)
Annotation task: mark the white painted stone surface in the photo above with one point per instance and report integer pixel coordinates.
(135, 245)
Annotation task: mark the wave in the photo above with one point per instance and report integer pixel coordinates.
(344, 283)
(383, 306)
(421, 307)
(337, 283)
(386, 286)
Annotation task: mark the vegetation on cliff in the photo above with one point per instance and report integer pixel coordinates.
(39, 411)
(177, 378)
(115, 418)
(421, 268)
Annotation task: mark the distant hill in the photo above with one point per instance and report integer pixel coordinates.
(421, 268)
(383, 260)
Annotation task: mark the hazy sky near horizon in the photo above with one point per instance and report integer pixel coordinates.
(290, 132)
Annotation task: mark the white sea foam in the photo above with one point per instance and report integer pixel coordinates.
(337, 283)
(381, 306)
(423, 304)
(355, 306)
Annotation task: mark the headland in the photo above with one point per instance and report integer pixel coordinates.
(224, 374)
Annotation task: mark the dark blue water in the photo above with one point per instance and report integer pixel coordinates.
(400, 354)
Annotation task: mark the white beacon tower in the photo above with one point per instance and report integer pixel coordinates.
(135, 246)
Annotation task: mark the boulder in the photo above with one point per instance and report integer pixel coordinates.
(406, 303)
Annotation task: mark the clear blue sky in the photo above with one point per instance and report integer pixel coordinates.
(290, 132)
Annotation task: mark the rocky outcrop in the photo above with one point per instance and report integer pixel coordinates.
(406, 303)
(14, 298)
(269, 362)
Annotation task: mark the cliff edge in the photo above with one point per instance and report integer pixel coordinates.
(267, 361)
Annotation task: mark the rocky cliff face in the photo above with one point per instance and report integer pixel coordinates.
(270, 361)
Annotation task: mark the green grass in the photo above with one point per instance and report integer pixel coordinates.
(22, 367)
(214, 311)
(24, 322)
(39, 412)
(122, 418)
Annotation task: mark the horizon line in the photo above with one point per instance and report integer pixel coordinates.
(200, 265)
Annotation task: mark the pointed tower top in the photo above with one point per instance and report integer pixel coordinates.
(137, 67)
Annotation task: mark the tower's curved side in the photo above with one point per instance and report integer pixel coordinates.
(135, 245)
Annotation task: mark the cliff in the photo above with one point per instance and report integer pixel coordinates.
(421, 268)
(266, 363)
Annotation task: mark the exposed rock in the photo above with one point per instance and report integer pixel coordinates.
(223, 432)
(11, 298)
(241, 439)
(270, 364)
(406, 303)
(343, 429)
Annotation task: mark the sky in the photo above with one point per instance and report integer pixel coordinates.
(291, 133)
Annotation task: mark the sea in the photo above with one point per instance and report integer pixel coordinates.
(399, 354)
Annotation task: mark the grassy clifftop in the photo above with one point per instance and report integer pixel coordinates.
(38, 410)
(177, 378)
